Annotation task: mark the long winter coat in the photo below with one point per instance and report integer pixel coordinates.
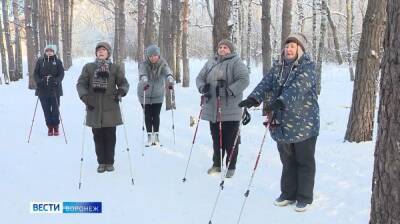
(156, 75)
(299, 120)
(46, 66)
(106, 112)
(235, 74)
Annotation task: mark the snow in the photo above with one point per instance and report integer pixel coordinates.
(47, 169)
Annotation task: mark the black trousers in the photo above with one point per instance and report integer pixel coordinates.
(104, 140)
(229, 131)
(152, 116)
(50, 109)
(298, 172)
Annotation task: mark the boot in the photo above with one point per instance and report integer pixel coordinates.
(50, 130)
(109, 167)
(101, 168)
(230, 173)
(156, 139)
(149, 139)
(214, 170)
(55, 128)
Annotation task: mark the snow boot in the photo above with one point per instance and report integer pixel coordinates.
(149, 139)
(101, 168)
(50, 130)
(301, 206)
(214, 170)
(55, 131)
(230, 173)
(156, 140)
(281, 202)
(109, 167)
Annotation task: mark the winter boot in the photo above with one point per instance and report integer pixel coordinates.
(101, 168)
(109, 167)
(156, 140)
(283, 202)
(301, 206)
(50, 130)
(56, 133)
(214, 170)
(230, 173)
(149, 139)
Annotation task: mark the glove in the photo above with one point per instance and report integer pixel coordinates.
(246, 117)
(85, 100)
(276, 105)
(205, 89)
(144, 79)
(146, 87)
(170, 82)
(249, 102)
(54, 83)
(41, 83)
(119, 93)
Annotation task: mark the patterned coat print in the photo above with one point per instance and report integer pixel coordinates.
(156, 75)
(236, 75)
(299, 120)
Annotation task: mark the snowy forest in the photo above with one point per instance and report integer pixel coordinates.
(355, 45)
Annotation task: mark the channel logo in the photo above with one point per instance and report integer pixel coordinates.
(65, 207)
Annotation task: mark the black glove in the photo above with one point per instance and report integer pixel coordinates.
(249, 102)
(246, 117)
(276, 105)
(41, 83)
(119, 93)
(205, 89)
(54, 83)
(146, 87)
(85, 100)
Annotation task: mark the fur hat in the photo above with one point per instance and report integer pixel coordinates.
(52, 47)
(152, 50)
(228, 43)
(299, 39)
(106, 45)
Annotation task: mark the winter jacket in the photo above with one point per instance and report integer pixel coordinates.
(106, 112)
(235, 74)
(48, 67)
(156, 75)
(299, 118)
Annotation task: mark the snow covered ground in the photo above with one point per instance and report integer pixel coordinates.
(47, 169)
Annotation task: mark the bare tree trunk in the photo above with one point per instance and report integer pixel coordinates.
(221, 28)
(10, 49)
(35, 30)
(300, 10)
(241, 29)
(286, 21)
(68, 50)
(248, 47)
(119, 39)
(236, 23)
(209, 11)
(168, 49)
(266, 41)
(349, 35)
(321, 45)
(56, 22)
(30, 48)
(361, 120)
(275, 37)
(335, 36)
(174, 20)
(185, 35)
(385, 203)
(65, 32)
(3, 55)
(161, 24)
(178, 54)
(17, 42)
(42, 26)
(140, 33)
(314, 28)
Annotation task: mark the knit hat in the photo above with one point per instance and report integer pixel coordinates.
(299, 39)
(106, 45)
(152, 50)
(52, 47)
(228, 43)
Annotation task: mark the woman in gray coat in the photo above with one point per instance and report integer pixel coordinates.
(101, 86)
(222, 81)
(152, 74)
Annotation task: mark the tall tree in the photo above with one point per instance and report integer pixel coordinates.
(185, 36)
(248, 39)
(349, 35)
(361, 120)
(314, 29)
(30, 43)
(266, 40)
(3, 55)
(335, 35)
(286, 21)
(385, 203)
(321, 45)
(300, 10)
(221, 27)
(9, 47)
(66, 26)
(140, 28)
(119, 36)
(17, 41)
(175, 24)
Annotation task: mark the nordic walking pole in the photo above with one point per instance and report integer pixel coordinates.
(194, 137)
(59, 112)
(127, 144)
(219, 120)
(82, 152)
(33, 119)
(246, 194)
(172, 110)
(144, 118)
